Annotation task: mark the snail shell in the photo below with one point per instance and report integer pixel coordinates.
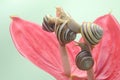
(64, 33)
(91, 32)
(84, 60)
(47, 25)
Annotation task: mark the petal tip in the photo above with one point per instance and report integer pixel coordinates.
(13, 17)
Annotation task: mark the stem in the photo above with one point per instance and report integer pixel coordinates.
(65, 60)
(71, 78)
(90, 74)
(74, 26)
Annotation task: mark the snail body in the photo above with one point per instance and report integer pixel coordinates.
(91, 33)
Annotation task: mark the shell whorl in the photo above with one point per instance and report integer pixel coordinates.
(84, 60)
(64, 33)
(60, 27)
(91, 32)
(47, 25)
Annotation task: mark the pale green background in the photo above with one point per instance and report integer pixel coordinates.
(12, 65)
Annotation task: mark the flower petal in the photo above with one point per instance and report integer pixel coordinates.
(106, 53)
(40, 47)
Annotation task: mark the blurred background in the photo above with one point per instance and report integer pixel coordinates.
(15, 67)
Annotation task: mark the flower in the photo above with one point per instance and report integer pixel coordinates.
(41, 48)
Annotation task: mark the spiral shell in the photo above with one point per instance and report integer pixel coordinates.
(84, 60)
(46, 25)
(91, 32)
(64, 33)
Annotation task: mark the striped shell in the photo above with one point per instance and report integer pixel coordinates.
(91, 32)
(84, 60)
(64, 33)
(46, 25)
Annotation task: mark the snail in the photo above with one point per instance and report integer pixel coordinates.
(60, 27)
(47, 24)
(84, 60)
(66, 29)
(64, 33)
(92, 33)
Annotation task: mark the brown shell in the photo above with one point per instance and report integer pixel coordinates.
(64, 34)
(84, 60)
(91, 32)
(46, 25)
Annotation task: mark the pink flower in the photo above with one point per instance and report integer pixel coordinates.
(41, 48)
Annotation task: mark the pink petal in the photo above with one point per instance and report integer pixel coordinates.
(40, 47)
(107, 52)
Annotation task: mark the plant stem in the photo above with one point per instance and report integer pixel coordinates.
(65, 61)
(90, 74)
